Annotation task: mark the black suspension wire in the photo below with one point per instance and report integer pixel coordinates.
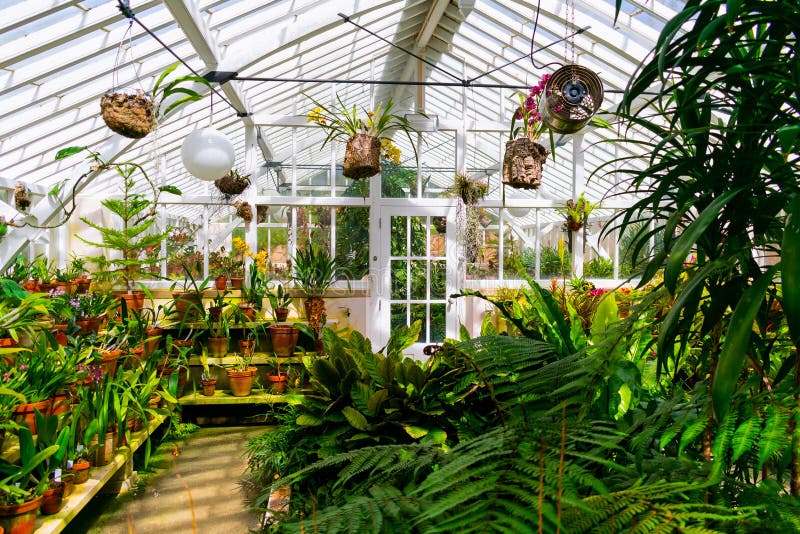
(125, 8)
(533, 38)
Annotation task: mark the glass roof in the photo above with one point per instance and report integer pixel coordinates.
(59, 57)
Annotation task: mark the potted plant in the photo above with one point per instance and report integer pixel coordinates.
(314, 271)
(255, 290)
(279, 301)
(232, 184)
(279, 380)
(218, 335)
(524, 156)
(50, 469)
(20, 491)
(207, 378)
(366, 137)
(188, 301)
(133, 115)
(137, 233)
(577, 212)
(80, 277)
(240, 250)
(241, 376)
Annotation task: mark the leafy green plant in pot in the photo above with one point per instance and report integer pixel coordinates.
(218, 328)
(241, 375)
(138, 232)
(207, 377)
(20, 490)
(189, 299)
(279, 301)
(314, 271)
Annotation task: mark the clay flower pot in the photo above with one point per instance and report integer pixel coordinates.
(241, 381)
(281, 314)
(221, 283)
(24, 414)
(80, 470)
(284, 339)
(53, 498)
(20, 518)
(209, 386)
(217, 347)
(237, 282)
(247, 347)
(279, 382)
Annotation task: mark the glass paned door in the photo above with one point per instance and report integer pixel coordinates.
(416, 276)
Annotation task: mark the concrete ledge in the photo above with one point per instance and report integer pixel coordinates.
(98, 478)
(225, 397)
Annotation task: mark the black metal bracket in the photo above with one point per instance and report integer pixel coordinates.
(125, 7)
(219, 76)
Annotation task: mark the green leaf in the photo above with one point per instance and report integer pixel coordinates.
(375, 401)
(170, 189)
(736, 342)
(415, 432)
(787, 136)
(790, 270)
(64, 152)
(745, 436)
(692, 431)
(403, 337)
(355, 418)
(774, 439)
(683, 245)
(435, 435)
(308, 420)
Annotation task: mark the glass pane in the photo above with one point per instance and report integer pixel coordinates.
(398, 236)
(419, 278)
(399, 280)
(438, 239)
(398, 181)
(481, 242)
(438, 322)
(419, 313)
(183, 248)
(398, 312)
(352, 241)
(419, 236)
(438, 278)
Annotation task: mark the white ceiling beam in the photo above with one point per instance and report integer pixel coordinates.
(254, 48)
(20, 13)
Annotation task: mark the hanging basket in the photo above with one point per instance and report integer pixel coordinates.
(244, 210)
(522, 163)
(572, 95)
(131, 115)
(232, 183)
(362, 157)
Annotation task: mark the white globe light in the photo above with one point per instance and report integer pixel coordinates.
(207, 154)
(518, 212)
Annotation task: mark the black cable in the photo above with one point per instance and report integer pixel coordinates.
(533, 37)
(124, 7)
(410, 53)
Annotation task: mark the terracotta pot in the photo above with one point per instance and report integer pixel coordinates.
(221, 283)
(281, 314)
(8, 359)
(241, 381)
(237, 282)
(24, 414)
(20, 518)
(66, 287)
(46, 287)
(53, 498)
(61, 402)
(155, 401)
(278, 382)
(248, 309)
(133, 300)
(104, 452)
(153, 340)
(59, 332)
(108, 361)
(32, 286)
(134, 423)
(247, 346)
(188, 305)
(68, 478)
(284, 339)
(81, 285)
(209, 386)
(217, 347)
(80, 470)
(166, 371)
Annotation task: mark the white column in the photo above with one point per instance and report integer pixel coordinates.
(578, 187)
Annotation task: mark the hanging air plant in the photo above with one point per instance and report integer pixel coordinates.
(577, 212)
(233, 183)
(22, 200)
(524, 156)
(468, 190)
(244, 210)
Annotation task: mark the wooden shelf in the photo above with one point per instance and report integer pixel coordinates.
(98, 478)
(224, 397)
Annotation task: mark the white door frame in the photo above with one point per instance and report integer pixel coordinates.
(380, 273)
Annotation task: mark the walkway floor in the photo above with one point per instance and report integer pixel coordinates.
(199, 492)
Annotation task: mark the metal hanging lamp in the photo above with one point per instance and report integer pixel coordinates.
(572, 95)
